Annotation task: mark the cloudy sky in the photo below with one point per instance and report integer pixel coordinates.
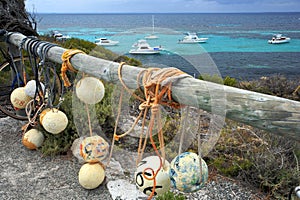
(161, 6)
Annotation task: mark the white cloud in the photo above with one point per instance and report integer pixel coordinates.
(107, 6)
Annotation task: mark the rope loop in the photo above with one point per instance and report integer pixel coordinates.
(67, 66)
(157, 84)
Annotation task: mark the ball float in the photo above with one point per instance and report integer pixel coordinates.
(33, 139)
(94, 149)
(53, 120)
(91, 175)
(186, 173)
(144, 176)
(18, 98)
(30, 88)
(90, 90)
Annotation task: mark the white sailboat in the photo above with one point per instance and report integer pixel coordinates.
(152, 36)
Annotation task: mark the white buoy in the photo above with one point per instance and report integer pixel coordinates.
(297, 191)
(146, 169)
(33, 139)
(30, 88)
(18, 98)
(91, 175)
(90, 90)
(53, 120)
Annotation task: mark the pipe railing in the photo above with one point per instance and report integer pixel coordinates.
(274, 114)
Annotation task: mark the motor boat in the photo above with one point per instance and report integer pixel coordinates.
(279, 39)
(142, 47)
(105, 42)
(59, 36)
(192, 38)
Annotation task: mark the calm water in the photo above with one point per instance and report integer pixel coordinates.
(237, 44)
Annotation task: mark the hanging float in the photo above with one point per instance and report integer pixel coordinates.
(19, 98)
(94, 149)
(149, 173)
(31, 88)
(90, 90)
(91, 175)
(53, 120)
(188, 172)
(33, 139)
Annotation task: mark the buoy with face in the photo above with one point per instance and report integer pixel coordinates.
(94, 149)
(144, 172)
(53, 120)
(91, 175)
(33, 139)
(90, 90)
(18, 98)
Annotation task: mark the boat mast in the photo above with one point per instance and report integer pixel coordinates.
(153, 24)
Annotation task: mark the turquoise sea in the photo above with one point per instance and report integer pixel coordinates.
(237, 44)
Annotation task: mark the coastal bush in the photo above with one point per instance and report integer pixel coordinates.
(265, 161)
(170, 196)
(277, 85)
(229, 81)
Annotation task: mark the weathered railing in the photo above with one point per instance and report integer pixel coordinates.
(273, 114)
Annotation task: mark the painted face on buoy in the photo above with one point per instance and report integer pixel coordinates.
(90, 90)
(186, 173)
(94, 149)
(145, 171)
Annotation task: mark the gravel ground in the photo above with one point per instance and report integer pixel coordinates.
(26, 174)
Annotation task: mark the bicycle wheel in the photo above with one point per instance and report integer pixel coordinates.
(11, 79)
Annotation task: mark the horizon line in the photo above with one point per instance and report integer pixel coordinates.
(168, 12)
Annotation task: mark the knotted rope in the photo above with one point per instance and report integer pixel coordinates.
(157, 84)
(67, 66)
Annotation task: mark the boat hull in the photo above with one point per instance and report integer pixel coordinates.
(143, 52)
(191, 41)
(279, 41)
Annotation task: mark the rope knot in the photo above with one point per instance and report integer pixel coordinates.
(66, 65)
(154, 109)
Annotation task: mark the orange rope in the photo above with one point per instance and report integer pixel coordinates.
(157, 85)
(67, 66)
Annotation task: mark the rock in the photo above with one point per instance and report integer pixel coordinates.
(123, 190)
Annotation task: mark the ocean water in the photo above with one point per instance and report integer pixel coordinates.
(237, 44)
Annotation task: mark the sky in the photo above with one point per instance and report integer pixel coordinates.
(161, 6)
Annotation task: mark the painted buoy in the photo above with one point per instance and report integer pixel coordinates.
(186, 174)
(30, 88)
(53, 120)
(91, 175)
(94, 149)
(33, 139)
(162, 178)
(18, 98)
(90, 90)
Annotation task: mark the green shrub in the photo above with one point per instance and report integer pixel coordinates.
(263, 160)
(170, 196)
